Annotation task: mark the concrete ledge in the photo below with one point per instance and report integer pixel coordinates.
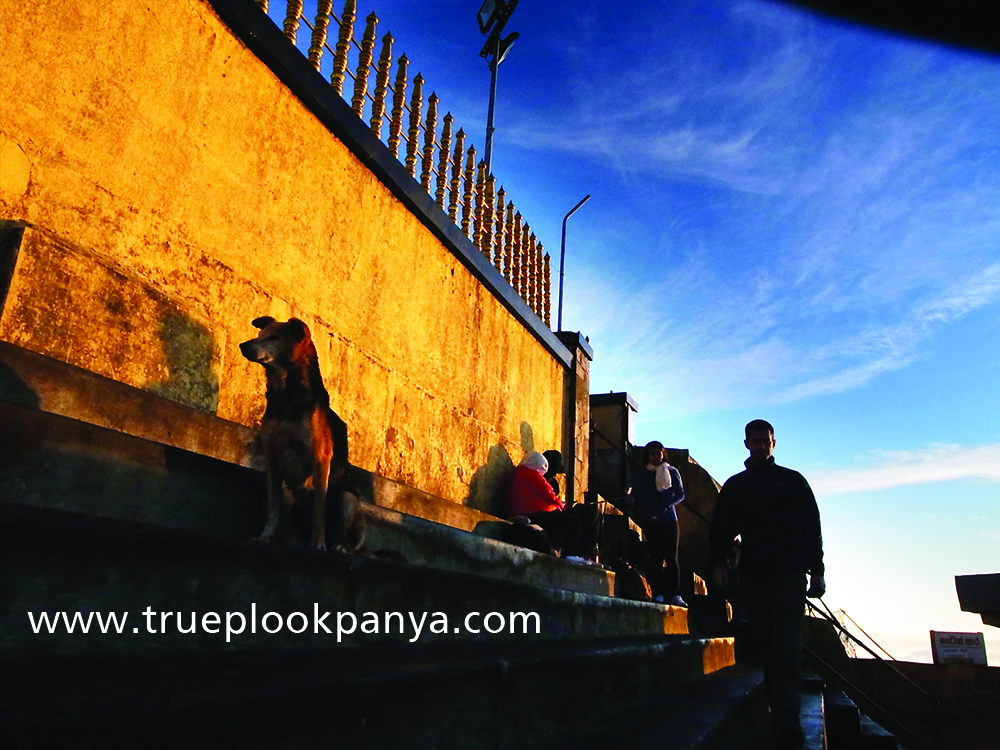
(444, 548)
(45, 384)
(40, 383)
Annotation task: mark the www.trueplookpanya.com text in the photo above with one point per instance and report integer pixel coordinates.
(328, 623)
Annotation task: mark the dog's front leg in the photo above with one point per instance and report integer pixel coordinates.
(321, 479)
(274, 499)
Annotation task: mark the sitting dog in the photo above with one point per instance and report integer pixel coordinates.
(304, 441)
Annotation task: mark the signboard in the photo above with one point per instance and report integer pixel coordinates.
(958, 647)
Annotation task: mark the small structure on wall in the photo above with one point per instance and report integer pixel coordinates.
(980, 594)
(612, 429)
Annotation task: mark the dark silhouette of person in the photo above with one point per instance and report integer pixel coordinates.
(588, 514)
(773, 510)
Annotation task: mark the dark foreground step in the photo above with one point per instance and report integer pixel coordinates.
(222, 595)
(849, 729)
(529, 695)
(726, 710)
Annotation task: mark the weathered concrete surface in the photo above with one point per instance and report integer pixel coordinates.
(68, 562)
(183, 191)
(74, 440)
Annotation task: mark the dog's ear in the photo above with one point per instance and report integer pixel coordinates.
(297, 330)
(262, 322)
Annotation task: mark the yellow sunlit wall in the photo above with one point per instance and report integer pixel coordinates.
(178, 190)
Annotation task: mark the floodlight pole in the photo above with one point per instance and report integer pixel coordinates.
(562, 258)
(493, 17)
(494, 64)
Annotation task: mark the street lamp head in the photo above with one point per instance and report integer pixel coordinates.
(504, 47)
(493, 16)
(495, 11)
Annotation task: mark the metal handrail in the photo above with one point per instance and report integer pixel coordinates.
(898, 725)
(828, 615)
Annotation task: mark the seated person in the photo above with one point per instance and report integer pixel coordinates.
(588, 514)
(555, 460)
(530, 495)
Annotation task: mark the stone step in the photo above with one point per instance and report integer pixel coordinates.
(487, 695)
(875, 737)
(724, 709)
(60, 561)
(74, 440)
(847, 728)
(442, 547)
(813, 725)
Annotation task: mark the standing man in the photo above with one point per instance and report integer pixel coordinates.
(774, 512)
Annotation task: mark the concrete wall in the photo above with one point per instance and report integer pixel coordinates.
(174, 189)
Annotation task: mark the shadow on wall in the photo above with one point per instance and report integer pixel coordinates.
(488, 486)
(189, 348)
(15, 390)
(527, 437)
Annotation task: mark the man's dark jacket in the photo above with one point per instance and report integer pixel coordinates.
(774, 512)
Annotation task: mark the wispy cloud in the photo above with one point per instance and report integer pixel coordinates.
(859, 207)
(682, 109)
(718, 351)
(937, 463)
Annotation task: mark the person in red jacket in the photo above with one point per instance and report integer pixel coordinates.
(528, 491)
(529, 494)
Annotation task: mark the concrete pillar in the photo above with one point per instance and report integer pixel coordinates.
(576, 416)
(613, 419)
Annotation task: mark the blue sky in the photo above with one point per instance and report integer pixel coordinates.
(792, 218)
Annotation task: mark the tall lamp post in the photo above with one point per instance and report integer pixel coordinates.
(493, 17)
(562, 257)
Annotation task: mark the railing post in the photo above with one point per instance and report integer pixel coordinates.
(398, 106)
(324, 8)
(469, 178)
(508, 244)
(518, 254)
(293, 12)
(344, 38)
(413, 134)
(430, 124)
(381, 86)
(444, 161)
(489, 219)
(501, 262)
(364, 65)
(454, 191)
(480, 239)
(548, 288)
